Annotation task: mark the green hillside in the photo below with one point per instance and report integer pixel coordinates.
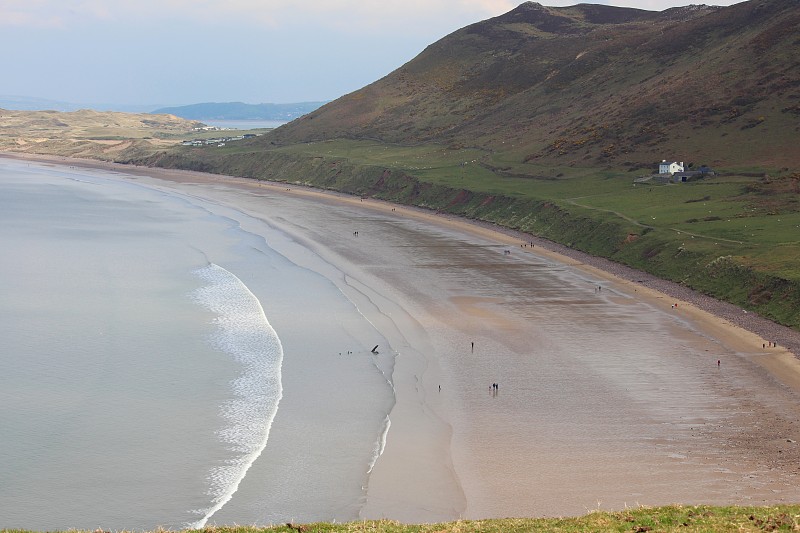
(593, 85)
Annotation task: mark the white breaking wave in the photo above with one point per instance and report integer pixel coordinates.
(244, 333)
(380, 444)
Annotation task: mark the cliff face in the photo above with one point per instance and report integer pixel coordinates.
(593, 84)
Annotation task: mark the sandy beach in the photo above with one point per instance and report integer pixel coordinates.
(613, 388)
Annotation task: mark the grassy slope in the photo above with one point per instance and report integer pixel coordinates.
(671, 518)
(592, 86)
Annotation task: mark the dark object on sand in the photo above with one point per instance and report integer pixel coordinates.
(375, 349)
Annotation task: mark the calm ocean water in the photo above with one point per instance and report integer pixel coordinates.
(149, 363)
(245, 124)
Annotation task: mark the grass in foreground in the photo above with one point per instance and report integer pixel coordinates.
(643, 519)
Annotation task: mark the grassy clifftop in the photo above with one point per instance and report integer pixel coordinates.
(671, 518)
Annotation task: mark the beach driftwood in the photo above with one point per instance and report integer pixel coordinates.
(375, 349)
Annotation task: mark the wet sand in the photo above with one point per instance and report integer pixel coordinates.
(609, 395)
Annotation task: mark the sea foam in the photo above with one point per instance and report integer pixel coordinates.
(244, 333)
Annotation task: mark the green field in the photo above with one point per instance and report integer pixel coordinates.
(744, 216)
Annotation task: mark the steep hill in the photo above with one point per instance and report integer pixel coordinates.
(591, 84)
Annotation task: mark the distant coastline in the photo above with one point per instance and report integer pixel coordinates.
(245, 124)
(241, 111)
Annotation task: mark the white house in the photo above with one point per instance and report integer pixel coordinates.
(670, 168)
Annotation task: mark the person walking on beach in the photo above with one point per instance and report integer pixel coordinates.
(473, 346)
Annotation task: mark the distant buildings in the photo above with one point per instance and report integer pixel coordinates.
(674, 172)
(219, 141)
(683, 177)
(670, 168)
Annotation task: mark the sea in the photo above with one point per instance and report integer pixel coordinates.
(245, 124)
(163, 362)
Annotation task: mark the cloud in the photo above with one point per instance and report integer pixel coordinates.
(356, 16)
(659, 5)
(366, 15)
(353, 14)
(28, 13)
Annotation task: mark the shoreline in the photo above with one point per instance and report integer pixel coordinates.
(786, 338)
(417, 375)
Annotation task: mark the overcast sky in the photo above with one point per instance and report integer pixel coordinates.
(254, 51)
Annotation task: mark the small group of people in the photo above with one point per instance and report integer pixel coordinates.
(770, 344)
(494, 388)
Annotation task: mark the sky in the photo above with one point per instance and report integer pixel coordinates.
(178, 52)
